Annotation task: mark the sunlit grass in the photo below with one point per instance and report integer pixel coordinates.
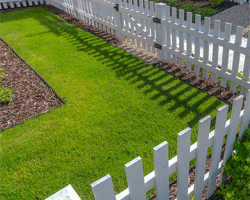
(118, 108)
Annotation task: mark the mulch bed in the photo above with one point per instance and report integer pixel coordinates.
(33, 97)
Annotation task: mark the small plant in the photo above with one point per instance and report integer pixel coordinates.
(174, 2)
(206, 11)
(2, 75)
(238, 166)
(5, 94)
(190, 7)
(215, 2)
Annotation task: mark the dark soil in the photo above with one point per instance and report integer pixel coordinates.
(43, 100)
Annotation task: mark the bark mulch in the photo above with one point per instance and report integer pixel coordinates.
(33, 97)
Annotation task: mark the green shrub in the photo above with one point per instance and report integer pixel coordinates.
(5, 94)
(190, 7)
(238, 166)
(206, 11)
(215, 2)
(174, 2)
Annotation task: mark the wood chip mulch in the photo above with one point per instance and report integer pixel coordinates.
(33, 97)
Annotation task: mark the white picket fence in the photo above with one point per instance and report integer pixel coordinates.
(138, 185)
(150, 26)
(5, 4)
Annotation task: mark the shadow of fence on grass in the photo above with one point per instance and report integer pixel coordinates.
(154, 82)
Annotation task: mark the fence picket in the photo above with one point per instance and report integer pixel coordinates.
(203, 133)
(152, 25)
(246, 70)
(215, 50)
(161, 171)
(181, 38)
(246, 115)
(135, 178)
(147, 23)
(167, 11)
(103, 189)
(216, 151)
(189, 41)
(183, 155)
(206, 45)
(235, 117)
(236, 58)
(228, 28)
(197, 42)
(160, 30)
(174, 17)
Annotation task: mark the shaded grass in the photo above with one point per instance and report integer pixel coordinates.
(118, 108)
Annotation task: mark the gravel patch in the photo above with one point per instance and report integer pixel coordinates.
(238, 15)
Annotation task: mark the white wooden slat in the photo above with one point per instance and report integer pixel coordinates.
(152, 25)
(237, 104)
(215, 50)
(206, 45)
(135, 178)
(236, 58)
(18, 5)
(181, 38)
(36, 2)
(30, 3)
(197, 42)
(203, 134)
(160, 31)
(1, 7)
(103, 189)
(42, 2)
(183, 151)
(161, 171)
(136, 19)
(189, 41)
(246, 70)
(246, 115)
(5, 5)
(147, 22)
(217, 145)
(11, 5)
(168, 32)
(131, 6)
(142, 21)
(228, 28)
(174, 18)
(91, 11)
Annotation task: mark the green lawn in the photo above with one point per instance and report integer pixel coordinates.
(118, 108)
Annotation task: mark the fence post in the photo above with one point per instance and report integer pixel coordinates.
(118, 16)
(246, 115)
(160, 30)
(161, 171)
(135, 178)
(246, 71)
(103, 189)
(183, 155)
(217, 145)
(200, 165)
(234, 121)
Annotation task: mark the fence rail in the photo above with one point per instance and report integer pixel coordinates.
(138, 185)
